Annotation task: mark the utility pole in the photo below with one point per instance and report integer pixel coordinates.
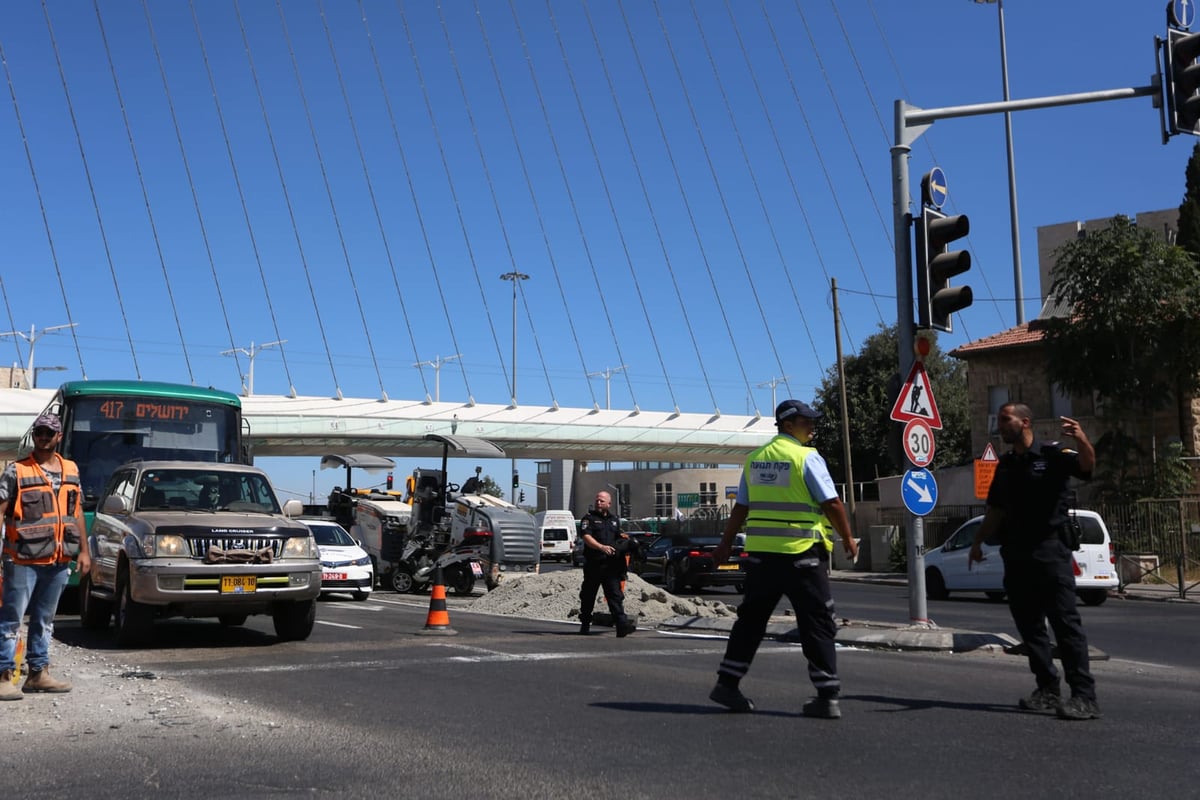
(607, 375)
(514, 276)
(773, 383)
(250, 352)
(837, 337)
(32, 338)
(437, 363)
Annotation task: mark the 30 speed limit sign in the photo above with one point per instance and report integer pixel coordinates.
(918, 442)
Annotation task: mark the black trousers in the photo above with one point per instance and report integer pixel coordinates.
(1041, 586)
(804, 580)
(599, 574)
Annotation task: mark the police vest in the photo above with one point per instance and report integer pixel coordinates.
(784, 517)
(41, 527)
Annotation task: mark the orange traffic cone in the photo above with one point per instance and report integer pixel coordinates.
(437, 623)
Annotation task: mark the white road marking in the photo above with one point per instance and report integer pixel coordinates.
(338, 624)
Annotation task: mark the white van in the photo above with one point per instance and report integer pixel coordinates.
(947, 570)
(556, 530)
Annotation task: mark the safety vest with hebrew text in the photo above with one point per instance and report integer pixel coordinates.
(784, 517)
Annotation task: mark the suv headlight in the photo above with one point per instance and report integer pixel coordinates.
(300, 547)
(164, 545)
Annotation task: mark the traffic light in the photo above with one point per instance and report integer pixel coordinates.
(936, 265)
(389, 481)
(1183, 81)
(521, 498)
(516, 479)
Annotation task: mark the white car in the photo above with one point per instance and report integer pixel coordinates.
(345, 566)
(946, 568)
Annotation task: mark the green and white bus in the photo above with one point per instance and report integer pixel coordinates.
(106, 423)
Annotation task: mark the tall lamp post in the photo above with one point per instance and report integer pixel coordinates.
(437, 364)
(1018, 286)
(773, 383)
(250, 352)
(32, 338)
(514, 276)
(607, 374)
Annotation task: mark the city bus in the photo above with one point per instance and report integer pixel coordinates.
(106, 423)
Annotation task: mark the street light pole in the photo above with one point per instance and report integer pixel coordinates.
(1018, 284)
(514, 276)
(32, 339)
(607, 374)
(437, 363)
(773, 383)
(250, 352)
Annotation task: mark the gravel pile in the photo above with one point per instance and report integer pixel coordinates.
(555, 595)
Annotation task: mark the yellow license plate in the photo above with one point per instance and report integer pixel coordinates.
(729, 566)
(238, 584)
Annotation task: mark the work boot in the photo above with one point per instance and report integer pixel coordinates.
(732, 698)
(625, 628)
(1079, 708)
(822, 708)
(8, 689)
(39, 680)
(1042, 700)
(585, 628)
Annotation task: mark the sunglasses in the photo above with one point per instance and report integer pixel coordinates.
(48, 432)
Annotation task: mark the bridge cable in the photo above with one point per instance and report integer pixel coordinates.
(337, 220)
(653, 217)
(417, 208)
(791, 179)
(287, 199)
(833, 193)
(487, 174)
(191, 185)
(929, 145)
(762, 203)
(412, 49)
(378, 217)
(37, 188)
(533, 201)
(682, 191)
(12, 325)
(362, 158)
(587, 127)
(112, 269)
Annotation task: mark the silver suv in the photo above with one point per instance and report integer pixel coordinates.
(194, 539)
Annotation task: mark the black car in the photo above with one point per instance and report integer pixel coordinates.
(683, 561)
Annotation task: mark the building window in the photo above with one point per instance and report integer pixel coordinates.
(708, 495)
(1060, 401)
(664, 500)
(997, 397)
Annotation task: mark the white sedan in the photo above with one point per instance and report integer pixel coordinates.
(345, 566)
(947, 570)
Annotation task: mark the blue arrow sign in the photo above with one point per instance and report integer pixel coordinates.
(935, 187)
(919, 491)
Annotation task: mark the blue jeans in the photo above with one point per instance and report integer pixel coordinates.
(36, 589)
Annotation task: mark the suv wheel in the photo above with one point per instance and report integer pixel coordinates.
(294, 621)
(94, 613)
(134, 619)
(671, 581)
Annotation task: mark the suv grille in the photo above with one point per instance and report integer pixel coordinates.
(200, 545)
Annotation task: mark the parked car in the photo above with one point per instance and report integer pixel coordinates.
(345, 566)
(946, 568)
(683, 561)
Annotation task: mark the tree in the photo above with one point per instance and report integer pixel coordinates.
(1189, 210)
(1131, 337)
(488, 485)
(871, 384)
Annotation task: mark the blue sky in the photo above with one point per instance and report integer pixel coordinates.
(686, 229)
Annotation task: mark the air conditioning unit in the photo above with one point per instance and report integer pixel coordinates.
(992, 429)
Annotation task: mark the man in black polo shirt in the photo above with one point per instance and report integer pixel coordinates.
(1027, 505)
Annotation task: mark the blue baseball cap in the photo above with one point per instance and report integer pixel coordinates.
(790, 408)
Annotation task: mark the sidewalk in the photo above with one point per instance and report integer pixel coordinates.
(888, 636)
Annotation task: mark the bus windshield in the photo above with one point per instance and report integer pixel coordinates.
(106, 423)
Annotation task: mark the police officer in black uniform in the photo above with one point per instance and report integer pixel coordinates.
(604, 549)
(1027, 505)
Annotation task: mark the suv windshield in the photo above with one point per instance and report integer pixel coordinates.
(206, 490)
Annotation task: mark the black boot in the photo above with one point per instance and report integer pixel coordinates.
(585, 627)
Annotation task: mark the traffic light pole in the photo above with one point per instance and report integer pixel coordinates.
(910, 123)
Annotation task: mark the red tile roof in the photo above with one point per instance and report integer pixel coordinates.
(1026, 334)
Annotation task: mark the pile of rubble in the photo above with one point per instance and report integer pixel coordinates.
(555, 595)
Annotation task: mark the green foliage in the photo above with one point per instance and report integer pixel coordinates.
(1130, 293)
(488, 485)
(1189, 210)
(869, 374)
